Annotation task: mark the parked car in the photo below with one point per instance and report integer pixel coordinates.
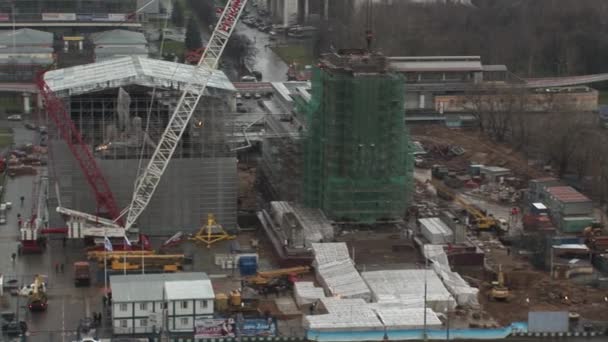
(249, 79)
(247, 95)
(257, 96)
(239, 96)
(14, 117)
(31, 126)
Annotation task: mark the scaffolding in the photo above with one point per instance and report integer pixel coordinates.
(200, 180)
(357, 163)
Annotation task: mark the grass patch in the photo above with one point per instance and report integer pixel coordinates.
(6, 139)
(603, 97)
(10, 104)
(294, 53)
(171, 46)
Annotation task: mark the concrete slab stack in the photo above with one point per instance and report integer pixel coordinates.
(336, 272)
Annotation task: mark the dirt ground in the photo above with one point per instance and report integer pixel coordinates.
(534, 290)
(478, 148)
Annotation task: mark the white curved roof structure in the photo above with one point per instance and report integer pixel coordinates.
(125, 71)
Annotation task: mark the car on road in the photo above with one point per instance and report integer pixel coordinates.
(257, 96)
(249, 79)
(31, 126)
(14, 117)
(239, 96)
(247, 95)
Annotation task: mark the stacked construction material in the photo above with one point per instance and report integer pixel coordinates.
(306, 293)
(436, 231)
(463, 293)
(357, 315)
(344, 314)
(336, 272)
(407, 287)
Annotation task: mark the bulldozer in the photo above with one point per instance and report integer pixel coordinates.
(499, 291)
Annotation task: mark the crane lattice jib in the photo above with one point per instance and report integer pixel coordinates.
(71, 135)
(146, 183)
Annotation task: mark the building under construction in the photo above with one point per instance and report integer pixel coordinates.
(121, 107)
(346, 149)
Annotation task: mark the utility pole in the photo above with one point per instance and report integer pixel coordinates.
(426, 265)
(14, 27)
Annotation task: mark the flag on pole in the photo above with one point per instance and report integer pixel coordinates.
(107, 244)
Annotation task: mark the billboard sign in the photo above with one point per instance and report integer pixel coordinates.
(100, 17)
(258, 327)
(84, 17)
(59, 16)
(214, 327)
(117, 17)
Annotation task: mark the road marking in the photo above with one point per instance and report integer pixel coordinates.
(87, 307)
(63, 313)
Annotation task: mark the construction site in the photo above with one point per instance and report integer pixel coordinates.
(187, 206)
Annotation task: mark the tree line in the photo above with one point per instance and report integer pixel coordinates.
(533, 38)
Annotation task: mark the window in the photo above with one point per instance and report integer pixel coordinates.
(123, 323)
(143, 306)
(123, 307)
(183, 304)
(184, 321)
(203, 304)
(143, 322)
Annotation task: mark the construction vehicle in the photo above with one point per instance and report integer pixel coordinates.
(211, 233)
(82, 273)
(266, 277)
(165, 263)
(479, 220)
(235, 302)
(36, 294)
(499, 291)
(121, 222)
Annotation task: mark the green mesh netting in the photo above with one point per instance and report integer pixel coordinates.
(357, 160)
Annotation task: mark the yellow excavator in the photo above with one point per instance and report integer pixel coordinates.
(481, 221)
(499, 291)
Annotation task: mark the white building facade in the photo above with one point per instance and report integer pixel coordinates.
(186, 301)
(138, 302)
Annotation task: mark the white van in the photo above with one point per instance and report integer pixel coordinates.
(2, 213)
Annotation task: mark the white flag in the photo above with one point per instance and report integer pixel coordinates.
(107, 244)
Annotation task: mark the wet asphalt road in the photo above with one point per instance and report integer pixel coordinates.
(272, 67)
(67, 304)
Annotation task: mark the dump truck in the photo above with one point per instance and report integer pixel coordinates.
(82, 273)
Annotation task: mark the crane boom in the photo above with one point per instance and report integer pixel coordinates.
(146, 183)
(71, 135)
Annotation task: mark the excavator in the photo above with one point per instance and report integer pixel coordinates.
(499, 291)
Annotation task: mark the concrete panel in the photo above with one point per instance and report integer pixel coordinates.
(547, 321)
(188, 191)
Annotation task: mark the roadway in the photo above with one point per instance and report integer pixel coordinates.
(272, 67)
(67, 304)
